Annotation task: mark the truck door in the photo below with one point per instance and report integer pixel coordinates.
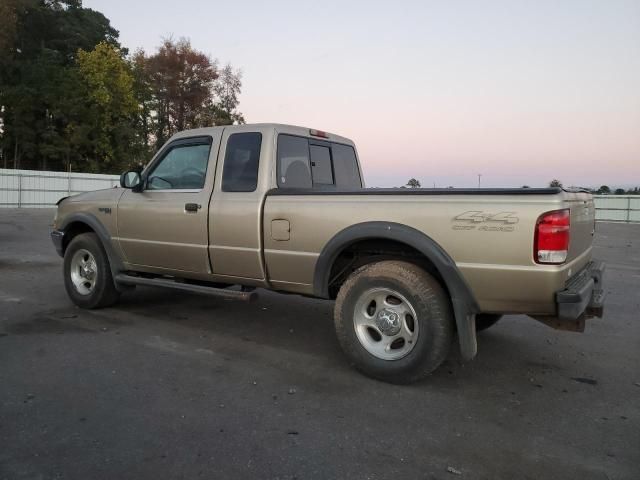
(165, 225)
(235, 213)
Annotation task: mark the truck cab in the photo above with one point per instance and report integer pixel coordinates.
(199, 206)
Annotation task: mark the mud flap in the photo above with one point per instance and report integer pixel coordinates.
(466, 326)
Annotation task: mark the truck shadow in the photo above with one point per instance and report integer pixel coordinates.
(303, 325)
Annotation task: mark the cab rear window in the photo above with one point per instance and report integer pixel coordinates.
(308, 163)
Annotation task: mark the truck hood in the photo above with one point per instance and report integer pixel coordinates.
(104, 195)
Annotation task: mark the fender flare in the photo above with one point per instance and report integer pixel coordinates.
(115, 262)
(464, 304)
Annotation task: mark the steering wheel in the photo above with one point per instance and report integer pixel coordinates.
(194, 173)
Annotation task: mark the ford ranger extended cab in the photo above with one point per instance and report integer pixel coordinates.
(224, 210)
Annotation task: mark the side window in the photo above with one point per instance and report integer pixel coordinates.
(345, 166)
(321, 170)
(293, 162)
(241, 160)
(183, 167)
(305, 164)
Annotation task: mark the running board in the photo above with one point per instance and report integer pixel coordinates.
(201, 289)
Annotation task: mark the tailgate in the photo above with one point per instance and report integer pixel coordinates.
(582, 226)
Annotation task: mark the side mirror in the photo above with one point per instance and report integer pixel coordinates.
(132, 180)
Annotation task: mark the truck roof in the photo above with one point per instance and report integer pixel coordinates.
(279, 127)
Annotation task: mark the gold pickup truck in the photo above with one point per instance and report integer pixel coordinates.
(223, 210)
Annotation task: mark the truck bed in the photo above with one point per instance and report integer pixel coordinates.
(487, 232)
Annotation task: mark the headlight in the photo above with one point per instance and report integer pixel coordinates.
(55, 217)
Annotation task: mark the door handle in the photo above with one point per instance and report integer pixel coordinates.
(192, 207)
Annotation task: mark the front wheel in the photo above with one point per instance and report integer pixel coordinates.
(394, 321)
(87, 274)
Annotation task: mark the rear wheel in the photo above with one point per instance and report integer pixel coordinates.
(486, 320)
(394, 321)
(87, 274)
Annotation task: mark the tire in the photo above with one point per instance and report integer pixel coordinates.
(423, 321)
(87, 274)
(486, 320)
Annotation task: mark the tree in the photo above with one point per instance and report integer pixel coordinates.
(413, 183)
(8, 30)
(619, 191)
(182, 81)
(111, 109)
(227, 89)
(555, 183)
(71, 95)
(38, 44)
(604, 190)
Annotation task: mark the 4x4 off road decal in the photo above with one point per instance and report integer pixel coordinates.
(484, 221)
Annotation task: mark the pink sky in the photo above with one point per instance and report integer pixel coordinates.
(521, 92)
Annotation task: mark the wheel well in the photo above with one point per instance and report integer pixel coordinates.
(373, 250)
(72, 231)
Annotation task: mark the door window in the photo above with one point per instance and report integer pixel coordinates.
(293, 162)
(241, 160)
(184, 167)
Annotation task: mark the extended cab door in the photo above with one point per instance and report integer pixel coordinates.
(235, 213)
(165, 225)
(293, 224)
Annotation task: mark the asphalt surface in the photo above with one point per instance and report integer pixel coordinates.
(174, 385)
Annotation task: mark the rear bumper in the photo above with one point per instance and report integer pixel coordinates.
(584, 294)
(57, 237)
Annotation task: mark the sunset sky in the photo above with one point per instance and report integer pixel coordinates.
(519, 91)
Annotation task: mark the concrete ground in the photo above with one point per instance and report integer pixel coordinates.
(173, 385)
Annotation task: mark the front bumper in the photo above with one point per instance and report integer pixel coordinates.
(584, 294)
(57, 237)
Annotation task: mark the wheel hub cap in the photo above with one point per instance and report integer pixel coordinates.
(388, 322)
(87, 272)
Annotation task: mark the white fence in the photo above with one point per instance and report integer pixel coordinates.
(618, 208)
(37, 189)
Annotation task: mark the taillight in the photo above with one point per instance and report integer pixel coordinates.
(551, 241)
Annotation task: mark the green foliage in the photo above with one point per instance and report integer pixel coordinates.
(110, 109)
(8, 31)
(604, 190)
(555, 183)
(143, 91)
(38, 81)
(413, 183)
(71, 97)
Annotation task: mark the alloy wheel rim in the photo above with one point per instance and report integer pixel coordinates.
(386, 323)
(84, 271)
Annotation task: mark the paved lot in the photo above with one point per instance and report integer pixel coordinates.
(173, 385)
